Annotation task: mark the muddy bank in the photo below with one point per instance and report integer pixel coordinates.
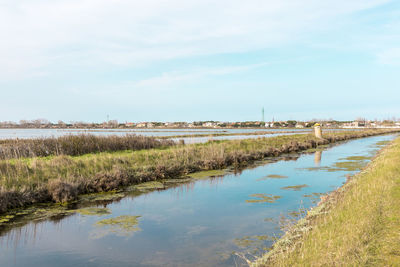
(63, 178)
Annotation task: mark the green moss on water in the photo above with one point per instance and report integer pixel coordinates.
(357, 158)
(177, 181)
(124, 225)
(294, 187)
(148, 186)
(93, 211)
(104, 196)
(247, 241)
(263, 198)
(253, 244)
(207, 174)
(350, 165)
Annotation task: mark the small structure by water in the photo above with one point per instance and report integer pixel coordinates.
(317, 130)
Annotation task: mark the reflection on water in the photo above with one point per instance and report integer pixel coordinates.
(217, 221)
(317, 158)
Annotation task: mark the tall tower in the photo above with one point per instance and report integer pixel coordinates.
(262, 114)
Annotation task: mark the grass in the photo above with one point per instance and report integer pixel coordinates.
(25, 181)
(213, 134)
(357, 225)
(74, 145)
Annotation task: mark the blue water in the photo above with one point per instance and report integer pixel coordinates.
(202, 223)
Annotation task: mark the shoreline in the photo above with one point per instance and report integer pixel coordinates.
(297, 246)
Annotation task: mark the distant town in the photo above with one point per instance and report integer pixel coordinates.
(114, 124)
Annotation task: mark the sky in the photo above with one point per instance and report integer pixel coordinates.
(186, 60)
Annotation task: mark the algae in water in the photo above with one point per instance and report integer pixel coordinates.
(94, 211)
(207, 174)
(294, 187)
(124, 225)
(263, 198)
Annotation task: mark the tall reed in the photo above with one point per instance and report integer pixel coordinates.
(74, 145)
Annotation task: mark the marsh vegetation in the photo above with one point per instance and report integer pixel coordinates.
(62, 178)
(75, 145)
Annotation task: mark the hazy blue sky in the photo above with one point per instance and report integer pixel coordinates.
(187, 60)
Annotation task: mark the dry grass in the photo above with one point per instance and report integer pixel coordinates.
(74, 145)
(357, 225)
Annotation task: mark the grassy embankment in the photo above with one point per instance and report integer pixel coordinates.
(211, 134)
(356, 225)
(26, 181)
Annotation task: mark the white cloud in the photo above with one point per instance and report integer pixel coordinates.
(170, 78)
(390, 56)
(37, 36)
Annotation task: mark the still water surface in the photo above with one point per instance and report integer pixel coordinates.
(206, 222)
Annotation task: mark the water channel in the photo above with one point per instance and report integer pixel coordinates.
(206, 221)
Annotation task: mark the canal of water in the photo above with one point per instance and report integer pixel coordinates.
(207, 221)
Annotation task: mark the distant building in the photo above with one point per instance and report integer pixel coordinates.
(141, 125)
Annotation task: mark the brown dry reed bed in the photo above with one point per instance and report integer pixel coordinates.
(25, 181)
(75, 145)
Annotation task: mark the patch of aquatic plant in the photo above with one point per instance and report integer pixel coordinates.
(382, 143)
(100, 197)
(172, 182)
(263, 198)
(271, 220)
(324, 168)
(255, 244)
(149, 186)
(207, 174)
(315, 197)
(350, 165)
(294, 187)
(37, 213)
(124, 225)
(297, 213)
(93, 211)
(357, 158)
